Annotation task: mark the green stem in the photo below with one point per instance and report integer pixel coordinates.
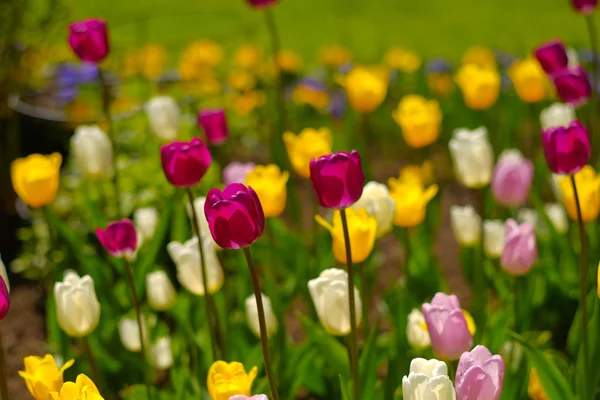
(3, 385)
(352, 302)
(262, 324)
(591, 26)
(406, 247)
(91, 360)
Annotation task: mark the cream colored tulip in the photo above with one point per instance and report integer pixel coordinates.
(252, 315)
(493, 237)
(204, 228)
(466, 225)
(160, 292)
(557, 215)
(472, 156)
(93, 152)
(377, 201)
(416, 330)
(146, 221)
(427, 380)
(558, 114)
(129, 333)
(161, 353)
(164, 116)
(77, 307)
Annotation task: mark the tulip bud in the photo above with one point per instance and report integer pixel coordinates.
(427, 380)
(466, 225)
(472, 156)
(161, 294)
(185, 163)
(236, 172)
(269, 183)
(529, 80)
(420, 120)
(129, 333)
(566, 149)
(252, 316)
(119, 238)
(584, 6)
(411, 199)
(493, 238)
(77, 307)
(145, 221)
(379, 204)
(556, 115)
(480, 375)
(337, 179)
(225, 380)
(573, 85)
(164, 116)
(558, 217)
(4, 275)
(520, 248)
(93, 152)
(330, 293)
(43, 376)
(261, 3)
(161, 354)
(552, 56)
(214, 124)
(35, 178)
(4, 297)
(512, 178)
(89, 39)
(366, 88)
(588, 191)
(416, 330)
(480, 85)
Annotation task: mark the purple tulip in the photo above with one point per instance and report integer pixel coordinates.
(480, 375)
(185, 163)
(512, 178)
(214, 124)
(89, 39)
(337, 179)
(552, 56)
(235, 172)
(566, 148)
(573, 85)
(520, 248)
(119, 238)
(584, 6)
(447, 326)
(4, 299)
(235, 216)
(262, 3)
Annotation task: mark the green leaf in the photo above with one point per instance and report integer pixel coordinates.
(368, 364)
(344, 387)
(336, 353)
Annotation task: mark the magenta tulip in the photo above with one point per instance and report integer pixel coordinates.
(480, 375)
(89, 39)
(119, 238)
(566, 148)
(235, 172)
(447, 326)
(4, 299)
(584, 6)
(520, 248)
(573, 85)
(185, 163)
(262, 3)
(214, 124)
(235, 216)
(552, 56)
(337, 179)
(512, 178)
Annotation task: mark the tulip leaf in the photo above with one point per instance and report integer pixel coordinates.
(344, 386)
(594, 348)
(368, 363)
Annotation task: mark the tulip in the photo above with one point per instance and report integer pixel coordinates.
(493, 238)
(311, 92)
(269, 183)
(89, 39)
(145, 221)
(530, 216)
(185, 163)
(77, 307)
(4, 275)
(214, 124)
(4, 298)
(416, 330)
(164, 116)
(330, 293)
(256, 397)
(406, 61)
(161, 354)
(334, 56)
(93, 152)
(466, 225)
(379, 204)
(573, 85)
(556, 214)
(411, 200)
(366, 88)
(35, 178)
(42, 375)
(480, 375)
(252, 316)
(447, 325)
(310, 143)
(566, 149)
(226, 380)
(557, 115)
(427, 380)
(478, 55)
(588, 189)
(129, 333)
(529, 80)
(472, 156)
(520, 248)
(236, 172)
(535, 390)
(337, 179)
(584, 6)
(420, 120)
(512, 178)
(186, 257)
(417, 174)
(161, 294)
(204, 228)
(247, 56)
(552, 56)
(82, 389)
(119, 238)
(479, 85)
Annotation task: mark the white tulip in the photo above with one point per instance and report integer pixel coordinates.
(530, 216)
(558, 217)
(493, 237)
(427, 380)
(160, 292)
(146, 220)
(466, 225)
(555, 186)
(77, 307)
(129, 333)
(558, 114)
(329, 293)
(4, 274)
(252, 316)
(204, 228)
(416, 330)
(161, 354)
(472, 156)
(93, 152)
(573, 58)
(186, 257)
(377, 201)
(164, 116)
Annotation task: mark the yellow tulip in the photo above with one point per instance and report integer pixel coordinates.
(481, 56)
(82, 389)
(42, 376)
(411, 201)
(529, 80)
(588, 189)
(228, 379)
(269, 184)
(241, 80)
(334, 55)
(404, 60)
(197, 58)
(418, 174)
(362, 229)
(245, 103)
(35, 178)
(247, 57)
(480, 86)
(288, 61)
(535, 390)
(420, 120)
(440, 83)
(307, 94)
(366, 88)
(310, 143)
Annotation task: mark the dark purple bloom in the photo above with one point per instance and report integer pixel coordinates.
(89, 39)
(337, 179)
(214, 124)
(552, 56)
(185, 163)
(584, 6)
(119, 238)
(566, 149)
(4, 299)
(573, 85)
(261, 3)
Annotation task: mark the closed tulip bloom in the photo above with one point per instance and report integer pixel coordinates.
(77, 307)
(520, 248)
(269, 183)
(255, 397)
(82, 389)
(588, 189)
(479, 85)
(308, 144)
(420, 120)
(236, 172)
(448, 328)
(329, 293)
(164, 116)
(145, 221)
(93, 153)
(225, 380)
(366, 88)
(512, 178)
(479, 55)
(466, 225)
(4, 275)
(185, 163)
(558, 217)
(403, 60)
(161, 354)
(186, 257)
(529, 80)
(129, 333)
(411, 200)
(42, 376)
(89, 39)
(4, 298)
(119, 238)
(427, 380)
(552, 56)
(493, 238)
(214, 124)
(35, 178)
(337, 179)
(334, 55)
(480, 375)
(472, 156)
(252, 315)
(160, 294)
(573, 85)
(584, 6)
(416, 330)
(557, 115)
(566, 149)
(379, 204)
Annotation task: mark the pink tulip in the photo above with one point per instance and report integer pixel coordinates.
(572, 85)
(566, 148)
(480, 375)
(119, 238)
(4, 299)
(89, 39)
(214, 124)
(337, 179)
(584, 6)
(512, 178)
(552, 56)
(520, 248)
(185, 163)
(236, 172)
(262, 3)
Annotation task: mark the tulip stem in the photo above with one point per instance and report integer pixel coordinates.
(3, 385)
(352, 301)
(262, 324)
(583, 286)
(91, 360)
(591, 26)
